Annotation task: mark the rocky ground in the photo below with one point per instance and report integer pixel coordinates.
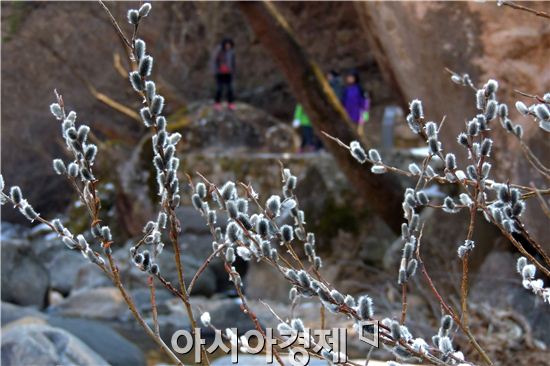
(59, 309)
(62, 310)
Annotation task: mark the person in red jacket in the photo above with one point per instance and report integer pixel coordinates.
(224, 70)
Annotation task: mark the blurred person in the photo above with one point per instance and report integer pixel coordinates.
(353, 100)
(335, 83)
(302, 121)
(224, 71)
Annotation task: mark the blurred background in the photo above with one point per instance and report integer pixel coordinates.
(394, 51)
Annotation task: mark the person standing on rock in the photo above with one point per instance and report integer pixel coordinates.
(224, 70)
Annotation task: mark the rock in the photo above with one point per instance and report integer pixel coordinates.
(9, 230)
(192, 222)
(245, 127)
(90, 276)
(11, 312)
(500, 287)
(227, 313)
(255, 283)
(54, 297)
(142, 299)
(205, 284)
(105, 303)
(111, 346)
(197, 247)
(25, 280)
(41, 344)
(63, 268)
(171, 323)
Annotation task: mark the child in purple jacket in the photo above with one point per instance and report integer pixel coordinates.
(353, 99)
(355, 102)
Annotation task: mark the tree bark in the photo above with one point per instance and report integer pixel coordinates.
(382, 193)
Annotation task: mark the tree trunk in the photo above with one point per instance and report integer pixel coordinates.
(308, 83)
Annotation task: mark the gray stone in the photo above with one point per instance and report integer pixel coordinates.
(142, 299)
(206, 282)
(196, 246)
(171, 323)
(245, 127)
(105, 303)
(191, 221)
(227, 313)
(90, 276)
(10, 230)
(110, 345)
(255, 283)
(11, 313)
(500, 287)
(63, 268)
(25, 280)
(44, 345)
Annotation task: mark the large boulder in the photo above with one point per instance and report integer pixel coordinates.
(25, 280)
(142, 299)
(32, 343)
(245, 127)
(206, 283)
(500, 288)
(110, 345)
(104, 303)
(63, 268)
(89, 276)
(11, 313)
(225, 313)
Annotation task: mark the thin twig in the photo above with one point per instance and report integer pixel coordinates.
(369, 354)
(151, 282)
(533, 243)
(248, 311)
(202, 268)
(322, 314)
(403, 302)
(520, 247)
(136, 314)
(513, 5)
(447, 308)
(543, 203)
(116, 26)
(442, 180)
(536, 97)
(535, 162)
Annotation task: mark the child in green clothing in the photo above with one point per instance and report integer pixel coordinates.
(302, 121)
